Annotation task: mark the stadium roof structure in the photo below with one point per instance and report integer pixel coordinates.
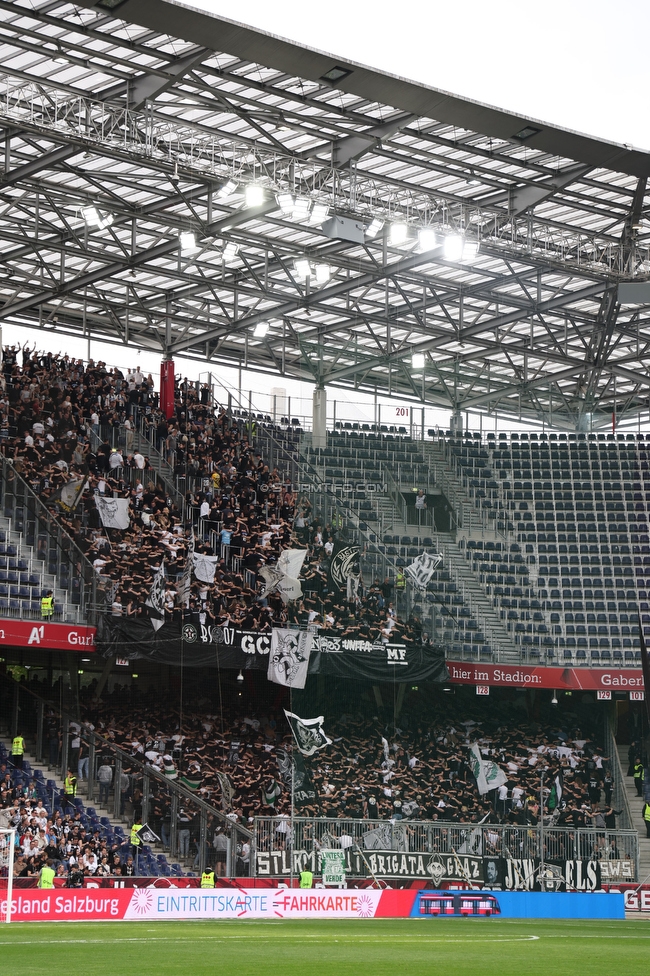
(184, 184)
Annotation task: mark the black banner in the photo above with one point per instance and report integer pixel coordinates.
(199, 645)
(497, 874)
(343, 564)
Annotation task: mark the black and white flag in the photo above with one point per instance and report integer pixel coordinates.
(114, 512)
(343, 564)
(147, 835)
(422, 569)
(289, 657)
(185, 582)
(68, 495)
(308, 733)
(156, 598)
(205, 567)
(283, 576)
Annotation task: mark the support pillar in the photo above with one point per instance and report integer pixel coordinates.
(319, 419)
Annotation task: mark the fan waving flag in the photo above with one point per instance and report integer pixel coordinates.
(343, 564)
(487, 774)
(422, 569)
(156, 598)
(185, 582)
(114, 512)
(283, 576)
(308, 733)
(68, 495)
(205, 567)
(289, 657)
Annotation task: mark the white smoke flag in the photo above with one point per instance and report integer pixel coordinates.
(422, 569)
(68, 495)
(308, 733)
(114, 512)
(289, 657)
(283, 577)
(156, 598)
(384, 744)
(185, 582)
(487, 774)
(205, 567)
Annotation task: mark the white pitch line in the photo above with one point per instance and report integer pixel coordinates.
(297, 939)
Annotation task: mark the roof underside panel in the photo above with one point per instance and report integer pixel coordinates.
(185, 184)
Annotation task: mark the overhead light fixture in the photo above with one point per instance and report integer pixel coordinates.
(527, 132)
(453, 247)
(254, 195)
(320, 213)
(554, 698)
(426, 239)
(374, 228)
(417, 360)
(94, 218)
(336, 73)
(470, 250)
(399, 233)
(472, 177)
(230, 251)
(261, 330)
(227, 190)
(323, 273)
(303, 268)
(285, 202)
(301, 208)
(188, 242)
(109, 4)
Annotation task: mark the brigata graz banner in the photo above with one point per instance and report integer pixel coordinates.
(505, 874)
(201, 645)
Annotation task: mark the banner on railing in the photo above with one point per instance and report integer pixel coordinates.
(249, 650)
(507, 874)
(54, 637)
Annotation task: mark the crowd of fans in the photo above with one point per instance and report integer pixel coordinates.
(58, 419)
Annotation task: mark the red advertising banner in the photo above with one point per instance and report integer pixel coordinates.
(55, 637)
(561, 679)
(637, 897)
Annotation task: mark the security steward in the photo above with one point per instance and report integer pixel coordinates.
(306, 879)
(207, 879)
(17, 751)
(638, 777)
(47, 605)
(46, 877)
(400, 580)
(135, 841)
(69, 789)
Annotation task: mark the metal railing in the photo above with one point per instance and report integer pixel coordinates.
(287, 847)
(53, 547)
(185, 822)
(620, 799)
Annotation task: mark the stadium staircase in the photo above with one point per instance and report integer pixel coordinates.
(636, 810)
(24, 578)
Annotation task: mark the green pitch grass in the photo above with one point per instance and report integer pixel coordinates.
(381, 947)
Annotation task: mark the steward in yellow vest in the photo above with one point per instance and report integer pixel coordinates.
(306, 879)
(47, 604)
(400, 581)
(638, 777)
(207, 879)
(646, 817)
(134, 839)
(46, 877)
(17, 750)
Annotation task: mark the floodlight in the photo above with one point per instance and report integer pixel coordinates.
(285, 202)
(427, 239)
(94, 218)
(399, 232)
(374, 228)
(417, 360)
(470, 250)
(319, 214)
(227, 190)
(188, 242)
(323, 273)
(230, 251)
(453, 248)
(301, 208)
(303, 268)
(254, 195)
(260, 330)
